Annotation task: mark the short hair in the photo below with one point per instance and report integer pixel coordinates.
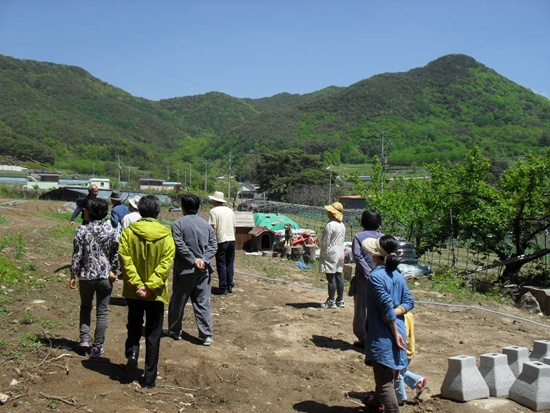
(190, 203)
(97, 208)
(149, 206)
(93, 189)
(371, 220)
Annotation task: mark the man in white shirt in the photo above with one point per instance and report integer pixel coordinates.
(134, 214)
(222, 220)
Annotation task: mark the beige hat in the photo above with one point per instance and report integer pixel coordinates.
(217, 196)
(372, 246)
(134, 201)
(337, 210)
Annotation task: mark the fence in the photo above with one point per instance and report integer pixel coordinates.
(456, 255)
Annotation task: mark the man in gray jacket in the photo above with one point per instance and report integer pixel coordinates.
(195, 247)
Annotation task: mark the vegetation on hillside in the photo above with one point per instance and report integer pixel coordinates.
(64, 118)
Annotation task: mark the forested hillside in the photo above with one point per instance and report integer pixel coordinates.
(62, 116)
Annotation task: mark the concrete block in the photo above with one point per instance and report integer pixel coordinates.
(541, 349)
(516, 357)
(497, 374)
(546, 360)
(542, 295)
(463, 381)
(531, 387)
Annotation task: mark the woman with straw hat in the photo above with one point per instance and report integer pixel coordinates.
(331, 257)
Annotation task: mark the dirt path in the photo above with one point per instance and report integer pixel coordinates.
(275, 350)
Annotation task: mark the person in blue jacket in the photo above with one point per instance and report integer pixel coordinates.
(385, 342)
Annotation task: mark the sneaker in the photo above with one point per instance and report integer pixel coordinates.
(420, 386)
(96, 352)
(328, 304)
(174, 336)
(340, 304)
(208, 341)
(85, 342)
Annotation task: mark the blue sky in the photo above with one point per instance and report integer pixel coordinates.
(257, 48)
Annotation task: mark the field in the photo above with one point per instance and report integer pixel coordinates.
(275, 349)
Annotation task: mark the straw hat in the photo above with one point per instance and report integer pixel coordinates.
(217, 196)
(337, 210)
(372, 246)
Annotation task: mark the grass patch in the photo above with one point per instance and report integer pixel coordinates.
(464, 290)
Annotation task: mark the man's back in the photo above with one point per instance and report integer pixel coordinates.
(194, 238)
(223, 220)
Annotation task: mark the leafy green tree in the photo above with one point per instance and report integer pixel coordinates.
(503, 217)
(279, 173)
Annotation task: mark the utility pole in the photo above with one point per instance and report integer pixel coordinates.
(206, 177)
(330, 184)
(229, 178)
(383, 161)
(189, 175)
(119, 168)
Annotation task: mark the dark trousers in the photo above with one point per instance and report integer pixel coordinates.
(154, 317)
(335, 286)
(225, 258)
(385, 391)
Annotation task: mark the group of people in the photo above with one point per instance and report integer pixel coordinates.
(134, 242)
(382, 321)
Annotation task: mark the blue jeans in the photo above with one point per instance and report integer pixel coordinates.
(102, 290)
(405, 377)
(225, 259)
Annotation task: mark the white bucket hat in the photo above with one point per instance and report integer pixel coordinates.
(217, 196)
(134, 201)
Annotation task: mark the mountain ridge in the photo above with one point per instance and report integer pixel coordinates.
(61, 114)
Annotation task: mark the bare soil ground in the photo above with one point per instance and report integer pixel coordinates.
(275, 349)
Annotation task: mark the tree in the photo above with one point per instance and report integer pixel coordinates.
(503, 216)
(279, 173)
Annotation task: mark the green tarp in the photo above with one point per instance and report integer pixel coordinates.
(274, 222)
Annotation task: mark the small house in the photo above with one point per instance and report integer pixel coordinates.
(151, 183)
(43, 180)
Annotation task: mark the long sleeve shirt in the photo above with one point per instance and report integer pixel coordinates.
(95, 251)
(195, 239)
(385, 291)
(363, 259)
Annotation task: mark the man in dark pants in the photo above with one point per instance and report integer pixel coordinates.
(195, 248)
(93, 190)
(146, 252)
(222, 219)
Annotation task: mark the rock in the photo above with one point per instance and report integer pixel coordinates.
(3, 398)
(529, 302)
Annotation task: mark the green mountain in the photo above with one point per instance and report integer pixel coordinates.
(62, 116)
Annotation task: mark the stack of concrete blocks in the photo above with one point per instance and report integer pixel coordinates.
(497, 374)
(463, 381)
(531, 388)
(541, 349)
(517, 356)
